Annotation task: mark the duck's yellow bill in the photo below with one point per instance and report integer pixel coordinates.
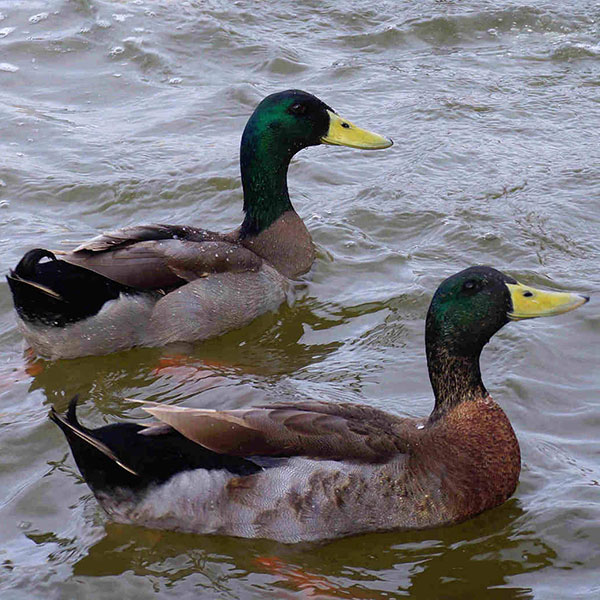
(529, 302)
(344, 133)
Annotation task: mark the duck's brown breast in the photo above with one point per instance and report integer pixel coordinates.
(286, 244)
(467, 461)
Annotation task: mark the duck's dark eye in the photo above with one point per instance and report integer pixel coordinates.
(470, 286)
(297, 109)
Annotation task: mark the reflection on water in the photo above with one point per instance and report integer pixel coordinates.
(459, 562)
(272, 346)
(117, 113)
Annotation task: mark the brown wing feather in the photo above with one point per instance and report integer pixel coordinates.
(167, 263)
(127, 236)
(314, 429)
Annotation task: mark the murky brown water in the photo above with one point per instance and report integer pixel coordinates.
(115, 113)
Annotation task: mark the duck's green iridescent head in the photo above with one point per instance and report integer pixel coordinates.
(291, 120)
(470, 307)
(281, 125)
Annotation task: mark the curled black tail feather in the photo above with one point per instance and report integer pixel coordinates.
(72, 412)
(71, 427)
(56, 292)
(70, 418)
(27, 265)
(117, 457)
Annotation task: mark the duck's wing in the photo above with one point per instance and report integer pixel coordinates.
(127, 236)
(161, 256)
(311, 429)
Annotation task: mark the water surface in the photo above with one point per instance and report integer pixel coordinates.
(115, 113)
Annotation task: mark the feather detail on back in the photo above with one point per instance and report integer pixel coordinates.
(163, 262)
(127, 236)
(312, 429)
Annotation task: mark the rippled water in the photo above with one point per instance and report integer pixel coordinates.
(115, 113)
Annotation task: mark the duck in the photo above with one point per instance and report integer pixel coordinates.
(150, 285)
(313, 470)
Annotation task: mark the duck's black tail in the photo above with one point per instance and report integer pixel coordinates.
(55, 292)
(132, 456)
(77, 434)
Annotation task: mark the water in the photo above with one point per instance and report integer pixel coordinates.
(116, 113)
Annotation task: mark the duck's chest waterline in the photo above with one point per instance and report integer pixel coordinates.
(470, 460)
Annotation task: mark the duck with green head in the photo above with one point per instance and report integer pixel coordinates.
(150, 285)
(314, 470)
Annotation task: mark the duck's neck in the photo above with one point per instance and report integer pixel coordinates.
(271, 228)
(286, 244)
(454, 378)
(264, 166)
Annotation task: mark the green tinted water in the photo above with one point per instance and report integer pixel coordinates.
(116, 113)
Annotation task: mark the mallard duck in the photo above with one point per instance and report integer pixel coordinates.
(150, 285)
(314, 470)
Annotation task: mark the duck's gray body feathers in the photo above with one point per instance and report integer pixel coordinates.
(300, 500)
(180, 284)
(199, 310)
